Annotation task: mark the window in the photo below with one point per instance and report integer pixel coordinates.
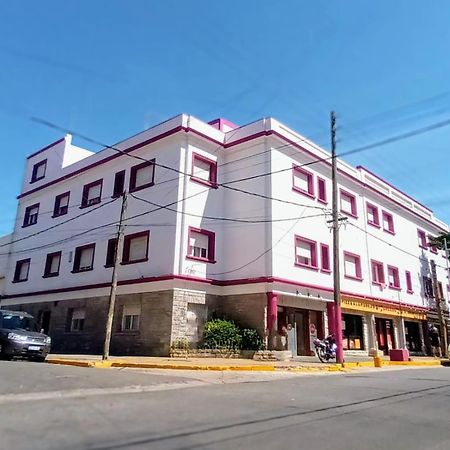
(119, 183)
(352, 266)
(440, 291)
(305, 252)
(111, 252)
(22, 270)
(31, 215)
(377, 272)
(409, 288)
(422, 239)
(201, 245)
(39, 171)
(321, 190)
(302, 181)
(428, 287)
(84, 258)
(135, 247)
(204, 170)
(393, 277)
(348, 203)
(61, 206)
(92, 193)
(388, 222)
(52, 264)
(77, 321)
(142, 176)
(372, 215)
(130, 317)
(325, 258)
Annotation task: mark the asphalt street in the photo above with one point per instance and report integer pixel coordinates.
(58, 407)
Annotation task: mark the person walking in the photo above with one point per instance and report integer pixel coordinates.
(435, 342)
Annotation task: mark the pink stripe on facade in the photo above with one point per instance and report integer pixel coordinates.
(45, 148)
(234, 282)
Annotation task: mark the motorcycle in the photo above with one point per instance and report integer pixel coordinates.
(326, 348)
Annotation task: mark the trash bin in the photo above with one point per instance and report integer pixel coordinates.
(400, 354)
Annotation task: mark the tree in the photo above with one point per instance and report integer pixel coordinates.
(440, 241)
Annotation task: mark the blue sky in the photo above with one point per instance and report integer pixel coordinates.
(110, 68)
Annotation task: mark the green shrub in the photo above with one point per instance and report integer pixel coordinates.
(222, 334)
(251, 340)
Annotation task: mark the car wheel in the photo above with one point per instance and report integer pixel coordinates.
(40, 359)
(5, 357)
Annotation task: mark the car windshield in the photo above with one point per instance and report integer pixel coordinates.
(18, 322)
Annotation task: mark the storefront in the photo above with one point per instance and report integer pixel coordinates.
(379, 325)
(413, 334)
(352, 330)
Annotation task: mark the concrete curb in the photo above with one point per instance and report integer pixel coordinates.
(253, 368)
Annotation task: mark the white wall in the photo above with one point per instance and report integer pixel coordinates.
(243, 250)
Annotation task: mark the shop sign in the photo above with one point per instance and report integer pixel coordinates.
(375, 307)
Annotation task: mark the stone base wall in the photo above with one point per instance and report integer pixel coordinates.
(153, 337)
(247, 311)
(166, 317)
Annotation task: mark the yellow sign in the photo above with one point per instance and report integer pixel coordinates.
(375, 307)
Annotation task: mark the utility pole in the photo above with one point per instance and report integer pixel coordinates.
(442, 321)
(112, 294)
(336, 272)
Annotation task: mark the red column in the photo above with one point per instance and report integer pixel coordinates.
(272, 309)
(331, 318)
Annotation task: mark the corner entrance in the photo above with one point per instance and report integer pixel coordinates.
(304, 326)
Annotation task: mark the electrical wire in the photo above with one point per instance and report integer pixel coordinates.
(224, 219)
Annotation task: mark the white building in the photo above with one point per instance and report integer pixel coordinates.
(269, 267)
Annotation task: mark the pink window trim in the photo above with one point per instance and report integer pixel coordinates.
(310, 177)
(212, 182)
(313, 244)
(374, 263)
(325, 258)
(390, 220)
(322, 190)
(352, 198)
(211, 245)
(396, 274)
(358, 276)
(423, 239)
(376, 215)
(409, 288)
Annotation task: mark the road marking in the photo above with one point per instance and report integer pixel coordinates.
(89, 392)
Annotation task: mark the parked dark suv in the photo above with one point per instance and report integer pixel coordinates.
(20, 335)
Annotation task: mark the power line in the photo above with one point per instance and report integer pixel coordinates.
(267, 250)
(58, 224)
(349, 152)
(50, 244)
(224, 219)
(390, 244)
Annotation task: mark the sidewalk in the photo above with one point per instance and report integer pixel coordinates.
(299, 364)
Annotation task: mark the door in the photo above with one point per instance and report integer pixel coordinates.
(292, 338)
(302, 333)
(385, 337)
(45, 321)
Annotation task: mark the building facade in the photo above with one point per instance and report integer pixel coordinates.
(219, 220)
